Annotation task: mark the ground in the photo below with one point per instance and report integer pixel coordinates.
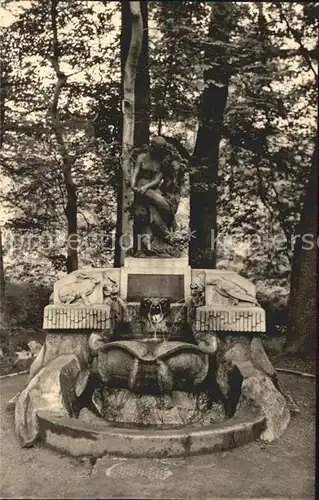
(284, 469)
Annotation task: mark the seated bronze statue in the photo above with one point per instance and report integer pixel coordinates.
(156, 181)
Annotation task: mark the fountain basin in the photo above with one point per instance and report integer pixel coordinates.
(97, 438)
(125, 408)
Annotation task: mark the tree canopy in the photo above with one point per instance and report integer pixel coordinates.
(244, 73)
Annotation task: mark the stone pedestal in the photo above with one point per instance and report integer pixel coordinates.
(68, 317)
(82, 300)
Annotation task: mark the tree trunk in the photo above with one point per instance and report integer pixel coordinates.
(72, 262)
(71, 206)
(142, 86)
(2, 286)
(204, 171)
(142, 100)
(3, 90)
(2, 117)
(131, 47)
(302, 299)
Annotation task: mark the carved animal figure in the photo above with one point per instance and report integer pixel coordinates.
(198, 293)
(233, 291)
(111, 297)
(81, 288)
(154, 309)
(110, 289)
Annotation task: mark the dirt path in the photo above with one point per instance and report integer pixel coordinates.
(284, 469)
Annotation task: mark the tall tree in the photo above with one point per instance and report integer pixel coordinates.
(67, 160)
(131, 48)
(204, 175)
(142, 84)
(4, 69)
(302, 306)
(2, 285)
(302, 300)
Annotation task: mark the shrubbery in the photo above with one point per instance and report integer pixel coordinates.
(24, 305)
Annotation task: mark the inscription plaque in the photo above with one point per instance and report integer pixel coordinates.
(155, 285)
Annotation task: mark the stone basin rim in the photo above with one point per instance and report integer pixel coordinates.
(79, 438)
(234, 423)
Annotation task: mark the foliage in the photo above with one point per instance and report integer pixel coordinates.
(25, 303)
(268, 140)
(31, 157)
(267, 133)
(176, 58)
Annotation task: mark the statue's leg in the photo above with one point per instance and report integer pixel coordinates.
(158, 200)
(160, 225)
(143, 242)
(161, 213)
(142, 230)
(161, 220)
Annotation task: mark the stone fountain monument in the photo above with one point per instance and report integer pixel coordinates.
(153, 358)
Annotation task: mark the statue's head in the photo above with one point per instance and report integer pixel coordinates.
(158, 142)
(158, 147)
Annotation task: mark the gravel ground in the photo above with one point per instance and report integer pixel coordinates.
(284, 469)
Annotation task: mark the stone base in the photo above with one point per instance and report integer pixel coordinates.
(84, 299)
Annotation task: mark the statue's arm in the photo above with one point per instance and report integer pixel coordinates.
(152, 184)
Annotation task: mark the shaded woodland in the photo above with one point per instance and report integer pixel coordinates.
(232, 84)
